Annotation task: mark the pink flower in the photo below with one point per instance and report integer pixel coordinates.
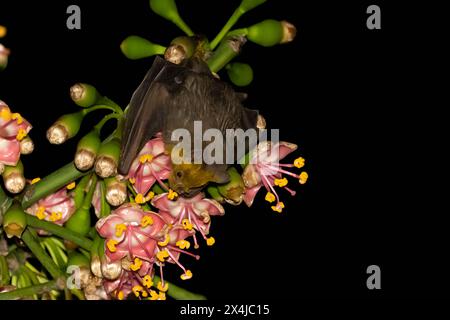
(131, 232)
(57, 207)
(13, 128)
(152, 164)
(189, 213)
(265, 169)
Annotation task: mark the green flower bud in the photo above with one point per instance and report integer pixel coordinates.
(135, 47)
(14, 221)
(84, 95)
(214, 193)
(66, 127)
(168, 10)
(116, 191)
(78, 259)
(234, 189)
(13, 178)
(180, 48)
(108, 158)
(26, 145)
(247, 5)
(267, 33)
(241, 74)
(87, 149)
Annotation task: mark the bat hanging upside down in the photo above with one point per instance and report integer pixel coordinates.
(172, 97)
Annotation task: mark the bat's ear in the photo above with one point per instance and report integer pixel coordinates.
(220, 176)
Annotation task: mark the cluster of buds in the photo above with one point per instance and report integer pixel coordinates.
(14, 141)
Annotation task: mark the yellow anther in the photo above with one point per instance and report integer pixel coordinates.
(149, 196)
(161, 287)
(120, 295)
(162, 296)
(146, 221)
(153, 295)
(187, 275)
(280, 182)
(136, 265)
(187, 225)
(172, 195)
(120, 228)
(144, 294)
(56, 216)
(210, 241)
(40, 213)
(17, 117)
(145, 158)
(71, 186)
(5, 114)
(270, 197)
(136, 290)
(111, 245)
(162, 255)
(299, 162)
(21, 134)
(303, 177)
(165, 242)
(139, 199)
(278, 207)
(147, 281)
(132, 180)
(35, 180)
(183, 244)
(3, 31)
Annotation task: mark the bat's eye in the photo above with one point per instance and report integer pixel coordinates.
(179, 174)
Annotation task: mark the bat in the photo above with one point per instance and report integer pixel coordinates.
(173, 96)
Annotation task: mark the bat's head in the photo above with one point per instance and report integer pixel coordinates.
(189, 179)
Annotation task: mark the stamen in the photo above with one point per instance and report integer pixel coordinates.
(145, 158)
(165, 242)
(40, 213)
(71, 186)
(136, 265)
(186, 275)
(303, 177)
(270, 197)
(35, 180)
(183, 244)
(139, 199)
(56, 216)
(162, 255)
(120, 228)
(172, 195)
(299, 162)
(210, 241)
(111, 245)
(279, 207)
(147, 281)
(280, 182)
(187, 225)
(146, 221)
(21, 134)
(162, 287)
(120, 295)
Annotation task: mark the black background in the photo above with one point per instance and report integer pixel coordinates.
(343, 93)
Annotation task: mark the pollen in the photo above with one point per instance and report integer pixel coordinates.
(280, 182)
(21, 134)
(120, 295)
(270, 197)
(17, 117)
(163, 288)
(5, 114)
(162, 296)
(35, 180)
(71, 186)
(187, 225)
(149, 196)
(40, 213)
(279, 207)
(145, 158)
(147, 281)
(153, 295)
(136, 290)
(187, 275)
(111, 244)
(146, 221)
(299, 162)
(165, 242)
(172, 195)
(120, 228)
(183, 244)
(139, 199)
(56, 216)
(162, 255)
(136, 265)
(210, 241)
(303, 177)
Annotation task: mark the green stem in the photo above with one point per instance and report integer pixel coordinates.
(98, 107)
(179, 293)
(5, 201)
(33, 244)
(230, 23)
(59, 231)
(102, 122)
(51, 183)
(228, 49)
(78, 293)
(108, 102)
(32, 290)
(4, 271)
(183, 26)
